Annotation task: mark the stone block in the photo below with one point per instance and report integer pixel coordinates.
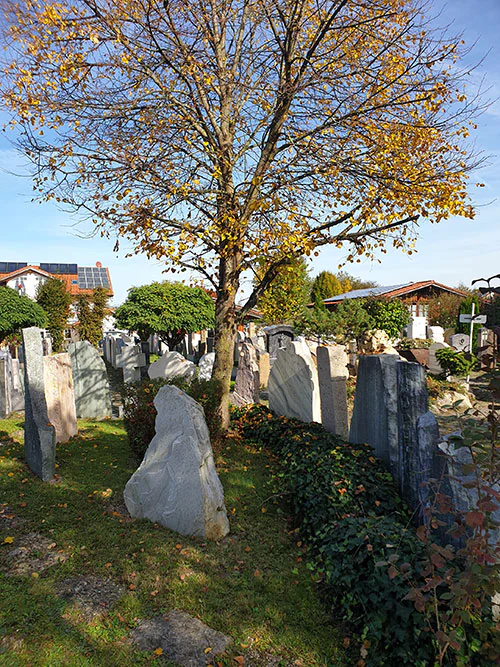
(264, 363)
(11, 385)
(332, 376)
(176, 484)
(460, 342)
(293, 384)
(279, 336)
(246, 387)
(39, 433)
(131, 359)
(90, 382)
(60, 395)
(434, 365)
(171, 365)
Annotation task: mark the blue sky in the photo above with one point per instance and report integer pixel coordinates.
(454, 251)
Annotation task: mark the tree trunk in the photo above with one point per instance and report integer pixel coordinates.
(225, 331)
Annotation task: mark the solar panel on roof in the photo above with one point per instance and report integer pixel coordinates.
(64, 269)
(368, 291)
(9, 267)
(90, 277)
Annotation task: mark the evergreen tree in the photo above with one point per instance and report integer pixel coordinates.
(55, 299)
(91, 311)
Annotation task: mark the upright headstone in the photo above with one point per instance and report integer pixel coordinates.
(246, 387)
(375, 414)
(170, 365)
(279, 336)
(434, 365)
(391, 414)
(131, 359)
(11, 388)
(90, 382)
(39, 433)
(264, 367)
(332, 375)
(460, 342)
(206, 366)
(176, 484)
(293, 384)
(417, 327)
(60, 395)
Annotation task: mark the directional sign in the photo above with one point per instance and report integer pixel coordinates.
(477, 319)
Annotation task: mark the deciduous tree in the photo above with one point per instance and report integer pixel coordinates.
(91, 310)
(216, 133)
(287, 295)
(170, 310)
(18, 311)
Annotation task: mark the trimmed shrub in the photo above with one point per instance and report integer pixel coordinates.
(139, 412)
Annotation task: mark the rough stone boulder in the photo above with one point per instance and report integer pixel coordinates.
(206, 366)
(376, 342)
(171, 365)
(176, 484)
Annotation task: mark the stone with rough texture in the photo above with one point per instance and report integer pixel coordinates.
(293, 384)
(90, 382)
(184, 640)
(332, 375)
(374, 418)
(171, 365)
(39, 433)
(391, 414)
(436, 334)
(376, 341)
(131, 359)
(60, 395)
(246, 386)
(264, 362)
(176, 484)
(206, 366)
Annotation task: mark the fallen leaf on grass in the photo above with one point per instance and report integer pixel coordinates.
(8, 540)
(158, 651)
(239, 660)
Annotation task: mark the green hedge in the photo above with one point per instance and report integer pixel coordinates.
(350, 514)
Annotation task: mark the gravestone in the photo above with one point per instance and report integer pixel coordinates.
(293, 384)
(264, 364)
(171, 365)
(279, 336)
(417, 327)
(60, 395)
(460, 342)
(391, 414)
(246, 387)
(90, 382)
(176, 484)
(332, 375)
(206, 366)
(434, 365)
(39, 433)
(11, 387)
(131, 359)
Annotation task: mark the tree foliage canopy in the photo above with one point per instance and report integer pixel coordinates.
(214, 134)
(17, 312)
(55, 299)
(91, 310)
(287, 295)
(170, 310)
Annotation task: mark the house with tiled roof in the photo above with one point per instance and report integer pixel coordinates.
(25, 278)
(414, 295)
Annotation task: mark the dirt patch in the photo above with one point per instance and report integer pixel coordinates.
(32, 553)
(9, 520)
(90, 597)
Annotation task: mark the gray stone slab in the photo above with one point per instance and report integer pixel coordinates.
(332, 374)
(176, 484)
(293, 384)
(39, 433)
(90, 381)
(170, 365)
(184, 640)
(206, 366)
(375, 415)
(11, 387)
(246, 387)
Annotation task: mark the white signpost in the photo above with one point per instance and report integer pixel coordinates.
(465, 318)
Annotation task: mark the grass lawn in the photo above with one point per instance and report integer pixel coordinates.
(253, 586)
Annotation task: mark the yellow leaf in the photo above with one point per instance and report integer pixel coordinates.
(158, 651)
(8, 540)
(208, 649)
